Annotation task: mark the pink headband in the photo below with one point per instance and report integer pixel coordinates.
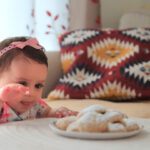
(31, 42)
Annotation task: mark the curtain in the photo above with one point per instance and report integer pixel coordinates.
(84, 14)
(51, 18)
(14, 17)
(44, 19)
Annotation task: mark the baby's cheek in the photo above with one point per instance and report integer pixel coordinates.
(36, 99)
(13, 103)
(34, 102)
(38, 94)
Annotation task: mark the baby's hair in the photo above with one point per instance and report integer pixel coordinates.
(30, 52)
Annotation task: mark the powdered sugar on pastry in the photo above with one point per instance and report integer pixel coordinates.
(93, 108)
(113, 116)
(64, 122)
(73, 127)
(116, 127)
(130, 124)
(90, 117)
(91, 122)
(97, 119)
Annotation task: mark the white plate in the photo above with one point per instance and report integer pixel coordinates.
(87, 135)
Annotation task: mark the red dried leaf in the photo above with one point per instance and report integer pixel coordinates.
(49, 26)
(95, 1)
(67, 6)
(48, 13)
(98, 20)
(63, 27)
(56, 17)
(47, 32)
(32, 31)
(32, 13)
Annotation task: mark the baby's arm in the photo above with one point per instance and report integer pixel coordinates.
(59, 112)
(1, 105)
(10, 92)
(62, 112)
(13, 92)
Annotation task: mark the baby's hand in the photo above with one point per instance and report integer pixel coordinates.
(64, 112)
(13, 92)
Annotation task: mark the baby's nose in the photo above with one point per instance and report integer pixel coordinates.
(30, 92)
(27, 92)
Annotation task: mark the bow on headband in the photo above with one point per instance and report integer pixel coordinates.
(31, 42)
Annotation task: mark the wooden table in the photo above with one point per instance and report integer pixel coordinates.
(37, 135)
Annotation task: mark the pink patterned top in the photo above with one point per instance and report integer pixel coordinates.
(7, 114)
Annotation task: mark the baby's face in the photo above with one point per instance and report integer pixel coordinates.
(29, 73)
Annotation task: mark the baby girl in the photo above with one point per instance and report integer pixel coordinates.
(23, 71)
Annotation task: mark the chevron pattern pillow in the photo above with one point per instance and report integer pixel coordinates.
(105, 64)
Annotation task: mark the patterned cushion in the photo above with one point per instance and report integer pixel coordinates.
(107, 64)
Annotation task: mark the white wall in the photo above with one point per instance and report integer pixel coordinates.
(111, 10)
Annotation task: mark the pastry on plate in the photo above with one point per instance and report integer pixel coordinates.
(97, 118)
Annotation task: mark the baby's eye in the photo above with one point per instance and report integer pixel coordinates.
(38, 86)
(23, 83)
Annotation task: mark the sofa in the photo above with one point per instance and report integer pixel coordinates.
(36, 133)
(139, 109)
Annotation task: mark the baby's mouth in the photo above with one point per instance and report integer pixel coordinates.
(25, 103)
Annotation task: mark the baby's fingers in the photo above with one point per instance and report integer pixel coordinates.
(22, 89)
(65, 112)
(16, 89)
(70, 113)
(73, 113)
(12, 90)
